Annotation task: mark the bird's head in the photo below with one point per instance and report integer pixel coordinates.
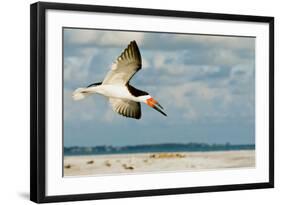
(151, 102)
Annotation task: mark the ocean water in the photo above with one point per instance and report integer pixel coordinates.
(190, 147)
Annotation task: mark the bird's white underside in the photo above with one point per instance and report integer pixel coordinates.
(115, 91)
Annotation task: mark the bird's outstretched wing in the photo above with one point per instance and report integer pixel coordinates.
(125, 66)
(127, 108)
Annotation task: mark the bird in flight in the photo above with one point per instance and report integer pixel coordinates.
(123, 97)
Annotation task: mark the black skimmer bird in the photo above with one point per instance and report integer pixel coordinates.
(123, 97)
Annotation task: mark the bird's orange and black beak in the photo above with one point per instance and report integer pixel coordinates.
(155, 105)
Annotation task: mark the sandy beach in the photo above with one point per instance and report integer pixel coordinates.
(151, 162)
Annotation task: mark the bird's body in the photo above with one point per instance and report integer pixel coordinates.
(113, 91)
(124, 98)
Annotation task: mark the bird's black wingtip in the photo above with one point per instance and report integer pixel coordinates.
(133, 42)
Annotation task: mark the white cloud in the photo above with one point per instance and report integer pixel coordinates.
(225, 57)
(159, 61)
(72, 68)
(198, 102)
(191, 41)
(77, 66)
(102, 38)
(145, 63)
(228, 42)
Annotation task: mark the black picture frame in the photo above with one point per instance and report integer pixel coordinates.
(38, 100)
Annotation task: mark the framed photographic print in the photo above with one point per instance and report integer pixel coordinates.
(129, 102)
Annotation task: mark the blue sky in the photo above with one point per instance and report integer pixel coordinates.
(205, 83)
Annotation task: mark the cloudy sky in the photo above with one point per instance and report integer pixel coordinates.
(205, 83)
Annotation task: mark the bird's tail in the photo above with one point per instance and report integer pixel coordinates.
(80, 93)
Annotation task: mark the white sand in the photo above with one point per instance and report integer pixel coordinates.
(150, 162)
